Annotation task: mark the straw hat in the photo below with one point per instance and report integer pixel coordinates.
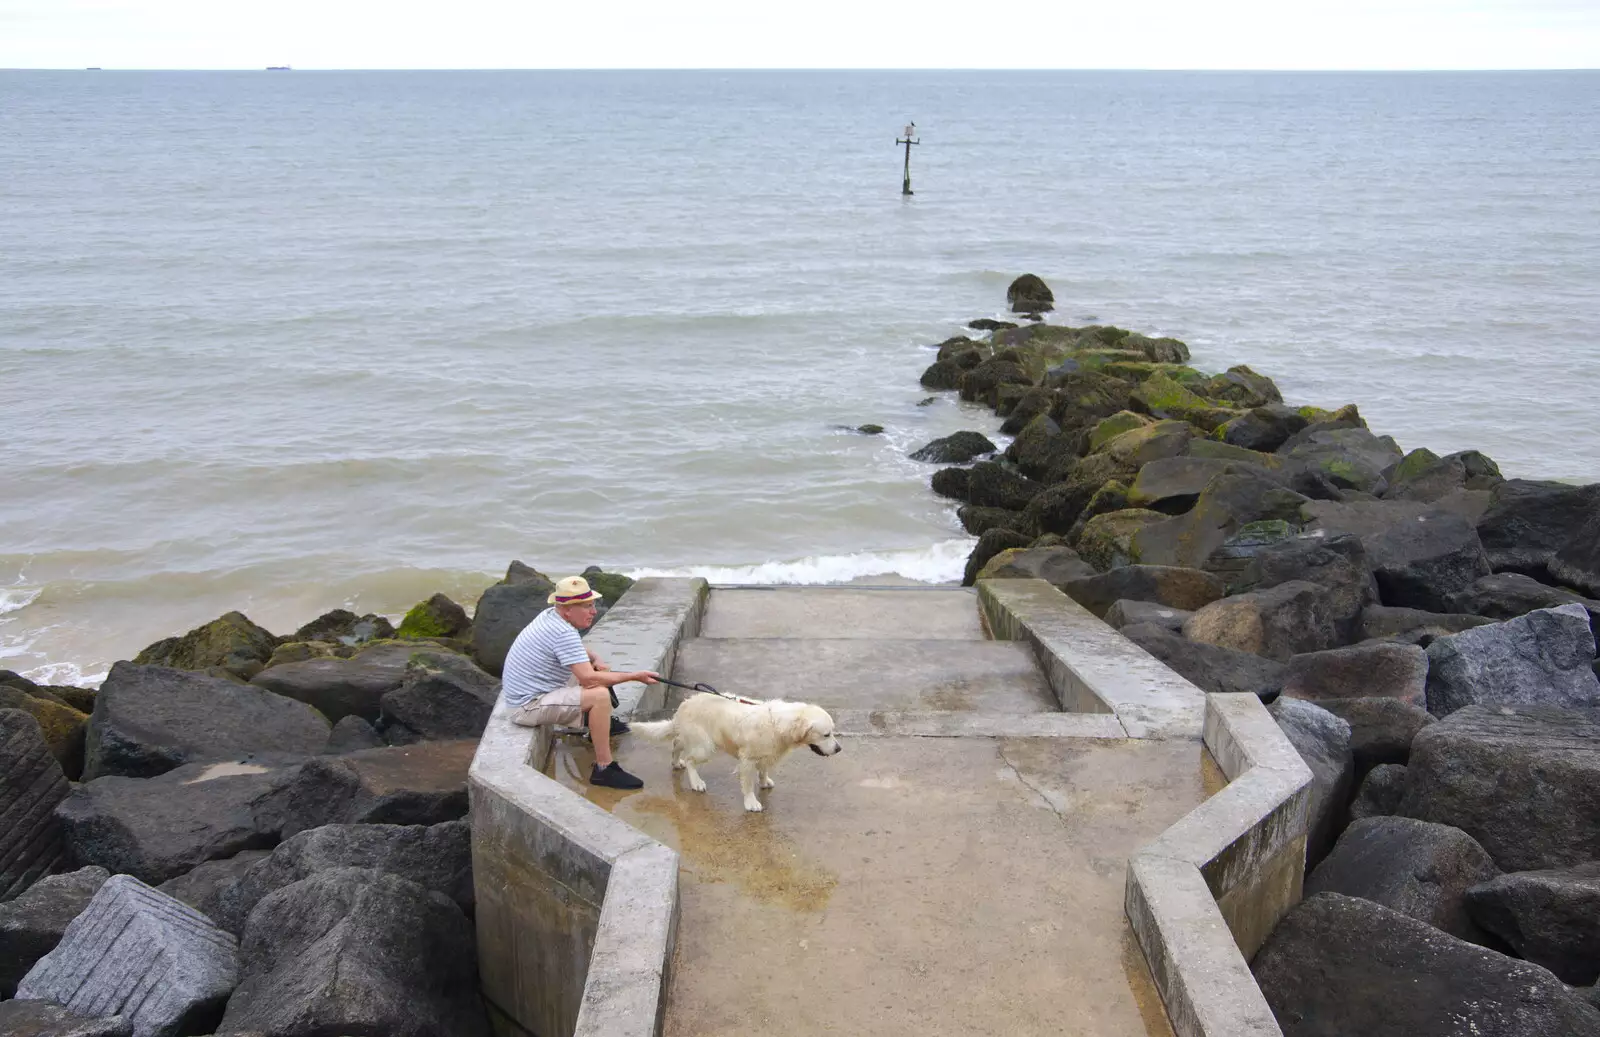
(574, 590)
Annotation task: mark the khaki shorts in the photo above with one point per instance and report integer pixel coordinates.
(561, 708)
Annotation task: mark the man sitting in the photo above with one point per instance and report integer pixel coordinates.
(551, 677)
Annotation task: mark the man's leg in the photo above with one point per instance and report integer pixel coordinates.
(597, 703)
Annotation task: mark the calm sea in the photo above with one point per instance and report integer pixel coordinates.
(289, 341)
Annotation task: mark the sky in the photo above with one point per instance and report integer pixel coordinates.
(1036, 34)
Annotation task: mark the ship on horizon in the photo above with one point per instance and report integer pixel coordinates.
(278, 68)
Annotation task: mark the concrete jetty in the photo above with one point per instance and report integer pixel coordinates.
(966, 865)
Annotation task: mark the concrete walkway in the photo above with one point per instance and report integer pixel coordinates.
(910, 885)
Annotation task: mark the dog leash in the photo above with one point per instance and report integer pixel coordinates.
(708, 688)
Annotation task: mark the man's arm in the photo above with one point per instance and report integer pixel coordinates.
(590, 677)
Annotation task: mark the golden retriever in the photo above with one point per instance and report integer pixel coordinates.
(757, 734)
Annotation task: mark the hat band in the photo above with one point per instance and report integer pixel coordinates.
(563, 600)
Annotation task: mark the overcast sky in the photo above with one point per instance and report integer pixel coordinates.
(1212, 34)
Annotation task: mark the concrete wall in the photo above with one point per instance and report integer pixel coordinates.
(577, 911)
(1204, 896)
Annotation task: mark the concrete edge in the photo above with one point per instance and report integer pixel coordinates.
(625, 993)
(1090, 667)
(962, 724)
(1206, 893)
(528, 828)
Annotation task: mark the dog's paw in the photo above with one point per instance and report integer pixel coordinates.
(767, 783)
(697, 783)
(754, 805)
(677, 765)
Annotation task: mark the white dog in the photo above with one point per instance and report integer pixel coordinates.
(757, 734)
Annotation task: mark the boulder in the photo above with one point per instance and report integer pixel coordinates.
(1415, 867)
(141, 954)
(1419, 564)
(1208, 667)
(1528, 522)
(980, 383)
(62, 726)
(1337, 966)
(1550, 917)
(1544, 658)
(341, 626)
(31, 785)
(956, 448)
(1111, 496)
(942, 374)
(1056, 565)
(1216, 450)
(1187, 589)
(1030, 403)
(1578, 563)
(42, 1019)
(978, 521)
(1380, 792)
(402, 785)
(1173, 484)
(1523, 781)
(1163, 396)
(1029, 294)
(1158, 350)
(352, 734)
(437, 857)
(989, 324)
(32, 924)
(1228, 502)
(1346, 458)
(992, 543)
(441, 696)
(1278, 622)
(200, 886)
(300, 651)
(1151, 442)
(946, 482)
(352, 951)
(1107, 429)
(159, 828)
(1125, 613)
(230, 646)
(1337, 563)
(80, 699)
(1106, 540)
(338, 688)
(1381, 622)
(149, 719)
(991, 484)
(1061, 508)
(1422, 476)
(1231, 560)
(1043, 449)
(1242, 387)
(1362, 518)
(1393, 671)
(436, 617)
(1263, 428)
(504, 609)
(1323, 742)
(1381, 729)
(1508, 595)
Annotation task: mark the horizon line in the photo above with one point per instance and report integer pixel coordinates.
(790, 68)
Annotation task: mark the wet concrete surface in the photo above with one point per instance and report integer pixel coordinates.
(912, 886)
(942, 613)
(850, 673)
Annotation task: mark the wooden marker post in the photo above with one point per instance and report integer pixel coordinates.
(910, 133)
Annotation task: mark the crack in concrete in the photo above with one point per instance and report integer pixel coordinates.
(1049, 799)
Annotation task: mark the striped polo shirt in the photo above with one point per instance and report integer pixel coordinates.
(540, 658)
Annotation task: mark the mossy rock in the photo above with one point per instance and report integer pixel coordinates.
(610, 586)
(62, 725)
(437, 617)
(1413, 465)
(1161, 350)
(1110, 428)
(301, 651)
(1143, 370)
(344, 627)
(1165, 397)
(1151, 442)
(1029, 294)
(231, 644)
(1211, 448)
(1107, 540)
(1242, 387)
(1111, 496)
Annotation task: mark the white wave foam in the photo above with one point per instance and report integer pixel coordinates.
(944, 562)
(13, 599)
(65, 673)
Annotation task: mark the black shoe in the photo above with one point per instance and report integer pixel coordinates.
(612, 776)
(618, 727)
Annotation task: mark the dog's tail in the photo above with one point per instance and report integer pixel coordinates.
(652, 730)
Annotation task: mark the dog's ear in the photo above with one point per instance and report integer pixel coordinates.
(798, 728)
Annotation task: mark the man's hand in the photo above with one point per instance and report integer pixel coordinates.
(647, 676)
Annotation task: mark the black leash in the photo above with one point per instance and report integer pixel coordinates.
(708, 688)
